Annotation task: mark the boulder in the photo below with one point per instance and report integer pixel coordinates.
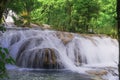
(65, 37)
(46, 58)
(97, 72)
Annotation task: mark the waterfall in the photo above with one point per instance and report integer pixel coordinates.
(60, 50)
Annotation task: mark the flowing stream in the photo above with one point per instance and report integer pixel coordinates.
(47, 49)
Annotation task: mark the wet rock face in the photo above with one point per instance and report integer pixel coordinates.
(46, 58)
(65, 37)
(97, 72)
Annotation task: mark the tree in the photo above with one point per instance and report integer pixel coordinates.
(67, 15)
(106, 21)
(27, 10)
(85, 12)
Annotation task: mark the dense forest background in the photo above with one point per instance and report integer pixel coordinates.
(82, 16)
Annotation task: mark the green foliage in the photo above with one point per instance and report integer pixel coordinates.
(106, 21)
(23, 9)
(77, 15)
(17, 22)
(67, 15)
(5, 58)
(83, 16)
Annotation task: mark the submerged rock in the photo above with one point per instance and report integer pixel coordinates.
(97, 72)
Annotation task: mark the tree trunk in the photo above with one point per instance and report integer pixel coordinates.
(68, 10)
(118, 26)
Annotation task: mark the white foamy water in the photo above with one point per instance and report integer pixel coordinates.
(75, 53)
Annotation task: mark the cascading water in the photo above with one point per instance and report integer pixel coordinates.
(56, 50)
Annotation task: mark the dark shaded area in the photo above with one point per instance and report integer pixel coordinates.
(118, 18)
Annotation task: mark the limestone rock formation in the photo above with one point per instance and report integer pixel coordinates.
(39, 58)
(65, 36)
